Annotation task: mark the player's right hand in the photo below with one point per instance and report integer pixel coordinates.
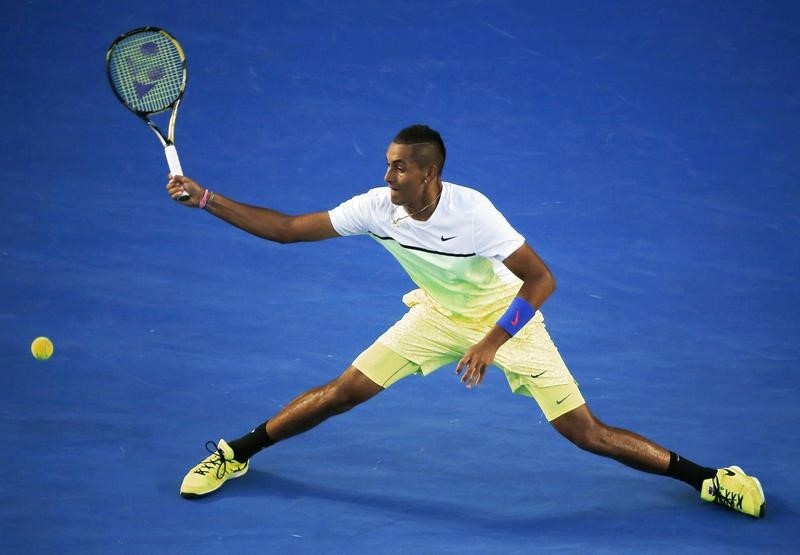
(177, 184)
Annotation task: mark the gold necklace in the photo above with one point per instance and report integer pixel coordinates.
(434, 201)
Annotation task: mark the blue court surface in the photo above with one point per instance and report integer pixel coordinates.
(648, 150)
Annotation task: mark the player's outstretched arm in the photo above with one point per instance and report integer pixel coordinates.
(262, 222)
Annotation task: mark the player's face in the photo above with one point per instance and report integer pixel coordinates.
(403, 176)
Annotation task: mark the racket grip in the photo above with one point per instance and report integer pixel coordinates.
(172, 159)
(175, 167)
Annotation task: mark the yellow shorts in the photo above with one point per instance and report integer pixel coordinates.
(424, 340)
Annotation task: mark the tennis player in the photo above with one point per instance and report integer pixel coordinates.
(480, 287)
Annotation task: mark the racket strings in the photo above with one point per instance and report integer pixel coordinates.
(148, 71)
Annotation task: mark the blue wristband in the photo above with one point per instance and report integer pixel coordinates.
(518, 314)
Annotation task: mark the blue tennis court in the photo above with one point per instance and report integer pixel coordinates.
(647, 150)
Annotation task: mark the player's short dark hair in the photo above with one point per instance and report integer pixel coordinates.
(427, 145)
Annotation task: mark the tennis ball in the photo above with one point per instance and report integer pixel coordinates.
(42, 348)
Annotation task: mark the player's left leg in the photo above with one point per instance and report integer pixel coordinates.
(727, 486)
(534, 367)
(582, 428)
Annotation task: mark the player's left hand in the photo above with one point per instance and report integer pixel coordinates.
(475, 362)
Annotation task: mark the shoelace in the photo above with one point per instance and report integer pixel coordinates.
(219, 462)
(726, 497)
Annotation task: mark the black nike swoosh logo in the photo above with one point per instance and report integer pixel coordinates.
(448, 238)
(564, 399)
(539, 374)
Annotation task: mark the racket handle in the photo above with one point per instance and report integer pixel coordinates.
(175, 167)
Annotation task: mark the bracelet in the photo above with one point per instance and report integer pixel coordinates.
(518, 314)
(204, 200)
(210, 199)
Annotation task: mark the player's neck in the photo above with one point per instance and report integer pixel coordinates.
(425, 208)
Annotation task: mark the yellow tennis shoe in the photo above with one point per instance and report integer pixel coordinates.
(736, 490)
(213, 471)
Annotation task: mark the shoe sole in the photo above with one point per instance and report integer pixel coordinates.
(763, 509)
(191, 495)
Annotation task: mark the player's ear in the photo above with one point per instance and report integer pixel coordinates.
(432, 173)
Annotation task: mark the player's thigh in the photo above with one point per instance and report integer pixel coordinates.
(555, 401)
(533, 354)
(419, 343)
(383, 366)
(534, 368)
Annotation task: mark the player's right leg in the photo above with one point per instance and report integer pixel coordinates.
(306, 411)
(418, 336)
(316, 405)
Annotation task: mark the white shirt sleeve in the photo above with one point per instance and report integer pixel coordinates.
(352, 216)
(493, 236)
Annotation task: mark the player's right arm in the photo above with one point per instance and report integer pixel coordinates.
(261, 222)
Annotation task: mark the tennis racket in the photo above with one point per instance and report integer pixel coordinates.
(146, 68)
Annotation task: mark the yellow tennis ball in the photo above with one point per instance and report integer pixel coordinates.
(42, 348)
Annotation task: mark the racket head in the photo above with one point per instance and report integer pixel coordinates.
(146, 68)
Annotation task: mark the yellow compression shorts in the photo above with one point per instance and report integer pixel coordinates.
(424, 340)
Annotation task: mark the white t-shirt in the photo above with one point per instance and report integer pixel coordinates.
(455, 256)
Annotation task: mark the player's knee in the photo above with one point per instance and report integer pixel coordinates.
(586, 432)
